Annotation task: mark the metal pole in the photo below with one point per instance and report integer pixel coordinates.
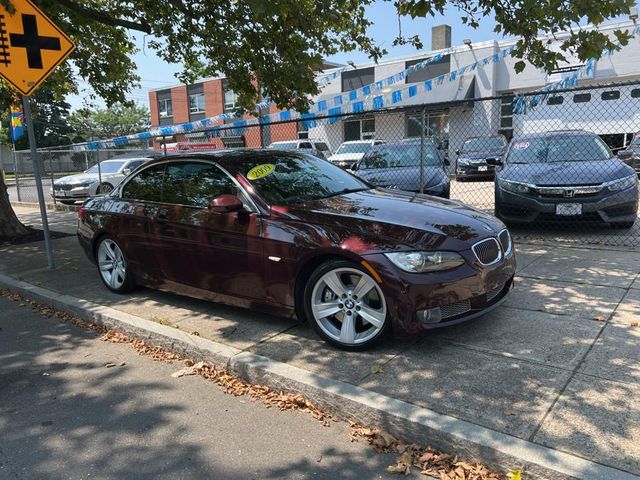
(422, 151)
(26, 106)
(164, 145)
(15, 173)
(86, 160)
(52, 178)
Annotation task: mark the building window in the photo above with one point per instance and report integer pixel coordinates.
(302, 129)
(352, 79)
(432, 70)
(436, 127)
(582, 98)
(196, 103)
(165, 107)
(611, 95)
(364, 129)
(230, 98)
(555, 100)
(635, 93)
(506, 115)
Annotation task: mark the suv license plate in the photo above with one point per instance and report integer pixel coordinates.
(569, 209)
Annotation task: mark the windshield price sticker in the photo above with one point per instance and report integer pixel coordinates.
(521, 146)
(261, 171)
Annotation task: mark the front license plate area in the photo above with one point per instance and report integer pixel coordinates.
(482, 168)
(569, 209)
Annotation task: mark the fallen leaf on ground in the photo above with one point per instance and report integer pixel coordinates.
(633, 324)
(110, 364)
(376, 369)
(515, 475)
(599, 318)
(197, 334)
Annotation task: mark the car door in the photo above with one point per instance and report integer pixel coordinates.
(218, 252)
(137, 207)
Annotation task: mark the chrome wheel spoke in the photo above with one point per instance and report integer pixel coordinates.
(120, 272)
(332, 280)
(105, 266)
(364, 286)
(372, 316)
(327, 309)
(348, 329)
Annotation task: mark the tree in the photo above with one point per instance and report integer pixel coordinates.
(109, 122)
(277, 43)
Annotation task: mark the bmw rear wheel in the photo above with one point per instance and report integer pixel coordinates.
(113, 266)
(105, 188)
(346, 305)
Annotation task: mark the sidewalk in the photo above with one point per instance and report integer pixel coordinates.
(558, 365)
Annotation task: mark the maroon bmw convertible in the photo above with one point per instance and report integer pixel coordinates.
(288, 233)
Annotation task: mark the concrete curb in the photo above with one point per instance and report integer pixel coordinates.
(404, 420)
(58, 207)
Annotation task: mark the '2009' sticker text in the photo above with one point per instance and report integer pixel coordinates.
(521, 146)
(261, 171)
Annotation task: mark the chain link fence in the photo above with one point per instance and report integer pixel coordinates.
(564, 171)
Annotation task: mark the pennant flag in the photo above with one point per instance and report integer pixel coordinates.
(17, 123)
(334, 112)
(284, 116)
(413, 90)
(337, 100)
(366, 90)
(353, 94)
(428, 86)
(378, 102)
(358, 107)
(396, 96)
(322, 105)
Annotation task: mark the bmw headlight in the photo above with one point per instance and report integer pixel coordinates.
(418, 262)
(623, 183)
(514, 187)
(464, 161)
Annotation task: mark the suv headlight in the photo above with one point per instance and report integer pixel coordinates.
(418, 262)
(514, 187)
(623, 183)
(463, 161)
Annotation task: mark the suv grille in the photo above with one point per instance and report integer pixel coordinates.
(487, 251)
(455, 309)
(505, 241)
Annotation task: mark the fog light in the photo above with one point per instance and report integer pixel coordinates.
(432, 315)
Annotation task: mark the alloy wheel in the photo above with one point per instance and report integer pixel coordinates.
(348, 306)
(112, 264)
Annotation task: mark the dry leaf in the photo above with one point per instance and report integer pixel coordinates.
(376, 369)
(110, 364)
(633, 324)
(599, 318)
(515, 475)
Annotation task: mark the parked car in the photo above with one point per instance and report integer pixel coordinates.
(631, 155)
(313, 147)
(472, 157)
(95, 180)
(349, 153)
(291, 234)
(397, 166)
(568, 175)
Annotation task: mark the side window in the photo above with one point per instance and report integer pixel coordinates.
(195, 184)
(146, 185)
(305, 145)
(322, 147)
(134, 164)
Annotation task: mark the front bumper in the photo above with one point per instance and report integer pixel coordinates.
(463, 293)
(605, 206)
(475, 171)
(79, 193)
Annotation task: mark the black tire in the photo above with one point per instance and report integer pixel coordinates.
(105, 187)
(622, 225)
(314, 279)
(123, 283)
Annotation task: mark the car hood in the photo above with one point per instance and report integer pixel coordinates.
(342, 157)
(403, 177)
(566, 173)
(386, 220)
(480, 155)
(78, 178)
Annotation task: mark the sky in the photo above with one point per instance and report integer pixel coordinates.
(155, 73)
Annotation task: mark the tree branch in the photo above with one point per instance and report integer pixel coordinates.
(105, 18)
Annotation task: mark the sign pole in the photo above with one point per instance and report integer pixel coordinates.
(26, 106)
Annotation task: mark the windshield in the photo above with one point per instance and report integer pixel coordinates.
(354, 148)
(484, 144)
(287, 180)
(106, 167)
(284, 146)
(636, 140)
(404, 155)
(558, 148)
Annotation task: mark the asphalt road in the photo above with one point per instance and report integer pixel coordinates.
(64, 414)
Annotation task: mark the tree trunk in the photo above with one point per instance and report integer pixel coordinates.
(10, 226)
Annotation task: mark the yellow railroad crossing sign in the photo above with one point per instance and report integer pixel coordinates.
(31, 46)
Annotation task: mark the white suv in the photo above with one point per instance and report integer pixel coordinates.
(351, 152)
(314, 147)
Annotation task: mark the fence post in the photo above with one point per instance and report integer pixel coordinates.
(16, 175)
(422, 150)
(86, 160)
(55, 202)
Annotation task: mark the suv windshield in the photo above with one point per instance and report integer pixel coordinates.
(287, 180)
(636, 140)
(403, 155)
(483, 144)
(106, 167)
(354, 148)
(558, 148)
(284, 146)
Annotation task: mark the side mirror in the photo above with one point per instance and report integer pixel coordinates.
(353, 166)
(126, 171)
(457, 151)
(226, 204)
(446, 162)
(624, 154)
(494, 161)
